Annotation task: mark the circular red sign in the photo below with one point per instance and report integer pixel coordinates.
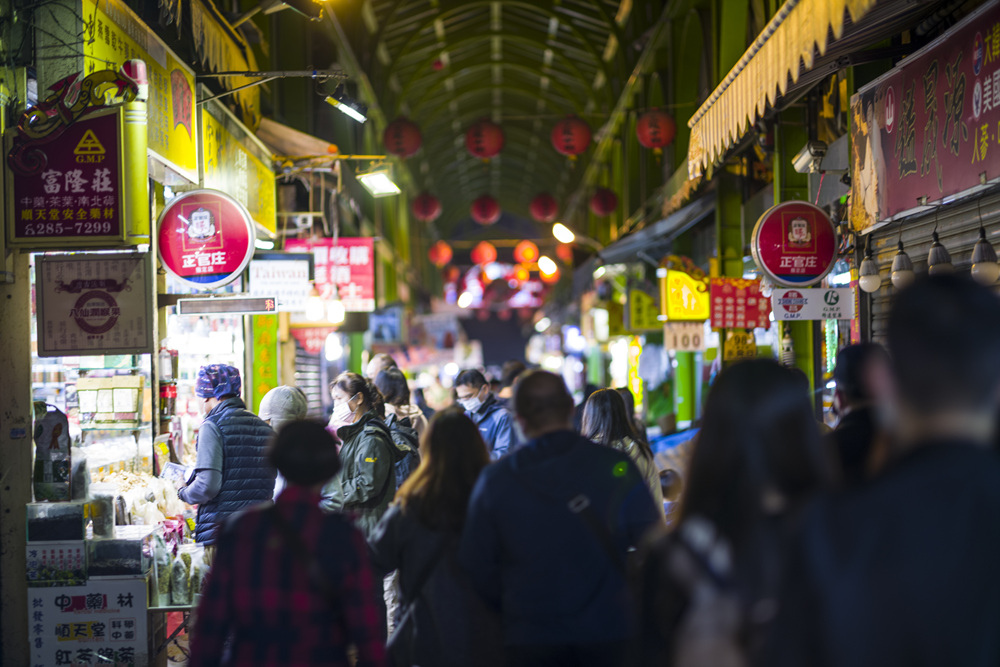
(205, 238)
(792, 301)
(96, 312)
(794, 244)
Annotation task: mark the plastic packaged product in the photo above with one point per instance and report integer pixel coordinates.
(48, 522)
(80, 474)
(180, 579)
(162, 560)
(102, 508)
(52, 454)
(199, 570)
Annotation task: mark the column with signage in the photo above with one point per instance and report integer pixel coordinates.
(684, 308)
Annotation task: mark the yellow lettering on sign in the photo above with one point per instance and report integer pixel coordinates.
(687, 298)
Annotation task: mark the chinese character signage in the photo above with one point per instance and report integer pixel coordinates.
(813, 304)
(643, 312)
(312, 339)
(76, 198)
(206, 238)
(94, 304)
(348, 265)
(930, 128)
(286, 279)
(112, 34)
(794, 244)
(685, 297)
(101, 623)
(738, 304)
(235, 161)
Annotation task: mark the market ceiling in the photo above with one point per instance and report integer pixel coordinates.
(447, 64)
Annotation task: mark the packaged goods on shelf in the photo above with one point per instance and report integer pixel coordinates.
(130, 551)
(52, 454)
(57, 522)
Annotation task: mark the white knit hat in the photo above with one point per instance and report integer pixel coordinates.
(283, 404)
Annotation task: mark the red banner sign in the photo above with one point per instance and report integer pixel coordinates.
(206, 238)
(76, 197)
(930, 128)
(349, 265)
(737, 304)
(794, 243)
(312, 339)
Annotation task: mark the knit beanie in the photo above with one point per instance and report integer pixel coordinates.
(217, 380)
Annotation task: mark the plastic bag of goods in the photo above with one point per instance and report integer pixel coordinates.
(102, 508)
(79, 474)
(180, 576)
(199, 570)
(52, 454)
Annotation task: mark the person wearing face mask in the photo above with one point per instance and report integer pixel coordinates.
(366, 483)
(232, 472)
(472, 392)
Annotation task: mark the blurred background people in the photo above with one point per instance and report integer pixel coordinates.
(231, 472)
(606, 422)
(637, 425)
(391, 383)
(853, 440)
(508, 376)
(383, 361)
(278, 407)
(291, 585)
(444, 622)
(472, 392)
(756, 461)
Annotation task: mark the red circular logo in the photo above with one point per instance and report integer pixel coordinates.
(792, 301)
(206, 238)
(794, 244)
(96, 312)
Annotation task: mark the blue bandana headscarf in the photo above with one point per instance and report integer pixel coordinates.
(217, 380)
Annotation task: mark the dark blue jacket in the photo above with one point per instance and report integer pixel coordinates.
(529, 556)
(247, 476)
(496, 426)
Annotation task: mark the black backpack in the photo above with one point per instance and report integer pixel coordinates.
(407, 443)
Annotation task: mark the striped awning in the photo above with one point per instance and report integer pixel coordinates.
(791, 40)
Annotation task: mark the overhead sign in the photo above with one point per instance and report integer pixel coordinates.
(739, 344)
(684, 336)
(643, 312)
(206, 238)
(94, 304)
(285, 279)
(348, 265)
(794, 244)
(75, 199)
(737, 303)
(928, 130)
(813, 304)
(228, 305)
(684, 297)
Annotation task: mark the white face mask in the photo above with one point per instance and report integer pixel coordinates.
(342, 413)
(471, 404)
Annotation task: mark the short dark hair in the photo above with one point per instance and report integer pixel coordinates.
(852, 361)
(391, 383)
(305, 453)
(944, 344)
(510, 371)
(470, 378)
(541, 399)
(351, 383)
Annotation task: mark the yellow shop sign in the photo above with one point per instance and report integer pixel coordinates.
(683, 297)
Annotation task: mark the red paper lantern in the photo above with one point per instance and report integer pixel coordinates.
(655, 129)
(564, 251)
(571, 136)
(485, 210)
(526, 252)
(452, 274)
(603, 202)
(521, 274)
(504, 314)
(402, 137)
(484, 253)
(544, 208)
(439, 254)
(482, 314)
(551, 278)
(426, 207)
(484, 139)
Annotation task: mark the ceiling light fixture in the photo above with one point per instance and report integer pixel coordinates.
(985, 269)
(347, 105)
(869, 279)
(547, 266)
(378, 182)
(563, 233)
(902, 267)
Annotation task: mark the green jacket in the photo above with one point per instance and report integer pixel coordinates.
(366, 483)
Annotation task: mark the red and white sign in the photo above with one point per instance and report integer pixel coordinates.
(794, 244)
(206, 238)
(312, 339)
(738, 304)
(349, 265)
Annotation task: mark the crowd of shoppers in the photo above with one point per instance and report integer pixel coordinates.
(522, 540)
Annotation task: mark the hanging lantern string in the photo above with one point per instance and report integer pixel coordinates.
(822, 175)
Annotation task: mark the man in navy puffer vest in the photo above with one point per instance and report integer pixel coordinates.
(232, 471)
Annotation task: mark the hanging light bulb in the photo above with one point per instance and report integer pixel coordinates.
(335, 310)
(902, 268)
(938, 258)
(766, 287)
(315, 310)
(985, 269)
(869, 279)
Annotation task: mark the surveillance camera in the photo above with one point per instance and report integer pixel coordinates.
(807, 160)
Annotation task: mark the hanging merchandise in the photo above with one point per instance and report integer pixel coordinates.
(603, 202)
(655, 129)
(426, 207)
(484, 253)
(402, 137)
(485, 210)
(571, 136)
(439, 254)
(484, 139)
(526, 252)
(544, 208)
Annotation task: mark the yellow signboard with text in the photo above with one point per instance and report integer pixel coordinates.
(684, 297)
(113, 34)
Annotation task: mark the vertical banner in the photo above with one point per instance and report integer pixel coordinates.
(265, 358)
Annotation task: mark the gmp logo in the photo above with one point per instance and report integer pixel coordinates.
(831, 298)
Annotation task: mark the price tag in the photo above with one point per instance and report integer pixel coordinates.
(684, 336)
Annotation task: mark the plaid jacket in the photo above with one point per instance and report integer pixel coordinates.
(261, 593)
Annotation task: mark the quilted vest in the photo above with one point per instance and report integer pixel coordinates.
(247, 476)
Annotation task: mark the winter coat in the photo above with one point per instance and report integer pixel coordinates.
(366, 483)
(647, 468)
(247, 476)
(417, 419)
(407, 443)
(496, 426)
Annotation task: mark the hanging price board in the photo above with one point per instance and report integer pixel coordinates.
(684, 336)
